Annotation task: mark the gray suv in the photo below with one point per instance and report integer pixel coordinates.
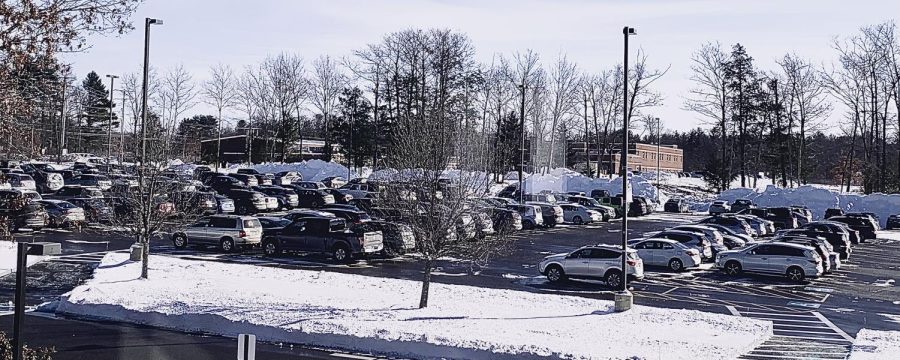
(796, 262)
(227, 232)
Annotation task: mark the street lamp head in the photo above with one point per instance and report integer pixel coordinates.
(112, 76)
(154, 21)
(628, 31)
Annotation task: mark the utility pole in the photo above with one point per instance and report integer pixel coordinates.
(522, 148)
(62, 132)
(122, 131)
(146, 200)
(623, 299)
(112, 84)
(658, 144)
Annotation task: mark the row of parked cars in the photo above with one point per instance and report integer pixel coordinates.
(752, 240)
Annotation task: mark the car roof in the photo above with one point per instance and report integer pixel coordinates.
(798, 246)
(669, 241)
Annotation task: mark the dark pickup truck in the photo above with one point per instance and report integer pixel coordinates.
(323, 235)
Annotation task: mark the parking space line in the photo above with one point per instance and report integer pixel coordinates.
(670, 290)
(815, 338)
(732, 310)
(832, 326)
(794, 315)
(813, 332)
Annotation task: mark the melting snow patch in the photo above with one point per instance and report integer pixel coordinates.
(875, 345)
(379, 315)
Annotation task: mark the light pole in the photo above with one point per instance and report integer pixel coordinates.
(112, 84)
(658, 140)
(623, 298)
(145, 217)
(122, 131)
(522, 148)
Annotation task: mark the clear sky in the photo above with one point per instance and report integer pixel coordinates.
(200, 33)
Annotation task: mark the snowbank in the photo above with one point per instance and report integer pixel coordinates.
(312, 170)
(565, 180)
(875, 345)
(379, 315)
(818, 200)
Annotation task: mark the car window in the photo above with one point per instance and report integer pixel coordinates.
(201, 223)
(252, 224)
(763, 250)
(604, 254)
(222, 222)
(580, 254)
(667, 246)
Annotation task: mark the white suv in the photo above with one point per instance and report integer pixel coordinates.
(227, 232)
(592, 262)
(796, 262)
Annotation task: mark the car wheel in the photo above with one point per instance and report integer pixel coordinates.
(226, 245)
(340, 254)
(555, 273)
(605, 218)
(733, 268)
(613, 279)
(577, 220)
(271, 248)
(180, 241)
(243, 210)
(528, 225)
(795, 274)
(316, 204)
(676, 265)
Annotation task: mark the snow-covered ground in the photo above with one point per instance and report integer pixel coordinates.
(8, 257)
(876, 345)
(380, 315)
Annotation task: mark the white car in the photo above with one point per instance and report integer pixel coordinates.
(596, 216)
(576, 214)
(593, 262)
(796, 262)
(272, 203)
(719, 207)
(669, 253)
(21, 181)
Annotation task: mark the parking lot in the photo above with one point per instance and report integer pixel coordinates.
(821, 314)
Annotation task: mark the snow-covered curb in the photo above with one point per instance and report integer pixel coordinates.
(875, 345)
(8, 253)
(379, 315)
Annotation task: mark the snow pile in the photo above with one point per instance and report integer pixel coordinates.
(565, 180)
(312, 170)
(818, 200)
(875, 345)
(379, 315)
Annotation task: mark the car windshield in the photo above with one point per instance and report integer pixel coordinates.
(65, 205)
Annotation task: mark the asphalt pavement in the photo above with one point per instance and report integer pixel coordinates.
(822, 314)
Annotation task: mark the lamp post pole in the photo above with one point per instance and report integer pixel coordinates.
(623, 298)
(658, 144)
(522, 148)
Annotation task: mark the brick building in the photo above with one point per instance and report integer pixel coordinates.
(641, 157)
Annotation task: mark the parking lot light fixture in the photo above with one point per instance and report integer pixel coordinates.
(623, 298)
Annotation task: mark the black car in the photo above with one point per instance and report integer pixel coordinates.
(893, 222)
(352, 216)
(334, 181)
(339, 197)
(296, 214)
(247, 202)
(741, 204)
(247, 180)
(599, 193)
(223, 183)
(272, 224)
(832, 212)
(398, 238)
(837, 240)
(784, 217)
(676, 205)
(95, 210)
(865, 227)
(323, 235)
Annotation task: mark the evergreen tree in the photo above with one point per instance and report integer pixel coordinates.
(741, 78)
(95, 117)
(354, 128)
(508, 142)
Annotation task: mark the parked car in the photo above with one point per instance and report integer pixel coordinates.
(286, 178)
(21, 181)
(224, 204)
(575, 214)
(20, 212)
(200, 170)
(742, 204)
(719, 207)
(737, 225)
(227, 232)
(737, 240)
(804, 211)
(359, 190)
(669, 253)
(312, 185)
(531, 215)
(47, 181)
(835, 236)
(270, 224)
(832, 212)
(599, 193)
(696, 240)
(94, 180)
(552, 214)
(871, 217)
(831, 260)
(334, 181)
(785, 218)
(593, 204)
(245, 179)
(324, 235)
(312, 198)
(72, 191)
(247, 202)
(893, 222)
(223, 184)
(398, 238)
(297, 214)
(762, 227)
(339, 197)
(796, 262)
(593, 262)
(647, 207)
(61, 213)
(865, 227)
(676, 205)
(95, 210)
(287, 198)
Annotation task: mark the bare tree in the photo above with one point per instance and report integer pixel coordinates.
(564, 84)
(288, 89)
(709, 97)
(177, 95)
(220, 91)
(327, 84)
(809, 103)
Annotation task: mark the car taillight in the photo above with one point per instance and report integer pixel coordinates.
(362, 240)
(631, 262)
(692, 252)
(242, 234)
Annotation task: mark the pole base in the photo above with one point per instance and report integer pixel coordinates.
(623, 301)
(137, 252)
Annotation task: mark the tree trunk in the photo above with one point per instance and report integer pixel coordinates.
(145, 256)
(426, 283)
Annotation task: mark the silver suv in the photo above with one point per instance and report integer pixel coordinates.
(796, 262)
(592, 262)
(227, 232)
